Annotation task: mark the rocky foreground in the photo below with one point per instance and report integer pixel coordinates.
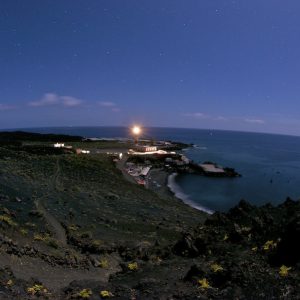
(71, 227)
(248, 253)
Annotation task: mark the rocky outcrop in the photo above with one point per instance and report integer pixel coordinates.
(246, 252)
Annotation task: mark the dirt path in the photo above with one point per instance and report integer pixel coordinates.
(58, 229)
(121, 166)
(53, 277)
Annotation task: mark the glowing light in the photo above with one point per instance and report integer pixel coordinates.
(136, 130)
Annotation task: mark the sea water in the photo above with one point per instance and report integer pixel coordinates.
(269, 164)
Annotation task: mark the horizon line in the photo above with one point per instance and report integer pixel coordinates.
(165, 127)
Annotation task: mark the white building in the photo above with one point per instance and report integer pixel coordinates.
(59, 145)
(144, 148)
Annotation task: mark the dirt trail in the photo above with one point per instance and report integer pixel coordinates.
(121, 166)
(53, 277)
(58, 229)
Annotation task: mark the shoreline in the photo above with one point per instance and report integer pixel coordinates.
(163, 183)
(176, 190)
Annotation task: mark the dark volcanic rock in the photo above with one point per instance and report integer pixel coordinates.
(250, 245)
(288, 250)
(195, 272)
(187, 246)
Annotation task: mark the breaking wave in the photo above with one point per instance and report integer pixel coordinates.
(178, 192)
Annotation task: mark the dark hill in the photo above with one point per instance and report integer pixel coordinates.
(19, 136)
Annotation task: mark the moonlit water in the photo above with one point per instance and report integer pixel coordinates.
(269, 164)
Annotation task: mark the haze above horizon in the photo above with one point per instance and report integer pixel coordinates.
(231, 65)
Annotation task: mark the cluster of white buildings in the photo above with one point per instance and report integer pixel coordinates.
(59, 145)
(146, 150)
(139, 173)
(78, 151)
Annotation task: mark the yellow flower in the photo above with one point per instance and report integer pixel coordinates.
(38, 237)
(72, 228)
(35, 289)
(226, 237)
(85, 293)
(254, 249)
(284, 271)
(103, 263)
(106, 294)
(216, 268)
(9, 282)
(204, 284)
(269, 245)
(133, 266)
(24, 231)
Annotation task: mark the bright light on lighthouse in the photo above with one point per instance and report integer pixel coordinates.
(136, 130)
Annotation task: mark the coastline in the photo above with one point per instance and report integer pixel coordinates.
(164, 184)
(176, 190)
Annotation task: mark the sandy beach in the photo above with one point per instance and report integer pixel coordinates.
(157, 180)
(164, 184)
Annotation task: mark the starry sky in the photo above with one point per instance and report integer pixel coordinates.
(216, 64)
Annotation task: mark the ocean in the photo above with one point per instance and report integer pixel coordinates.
(269, 164)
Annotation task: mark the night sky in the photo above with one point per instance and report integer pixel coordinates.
(215, 64)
